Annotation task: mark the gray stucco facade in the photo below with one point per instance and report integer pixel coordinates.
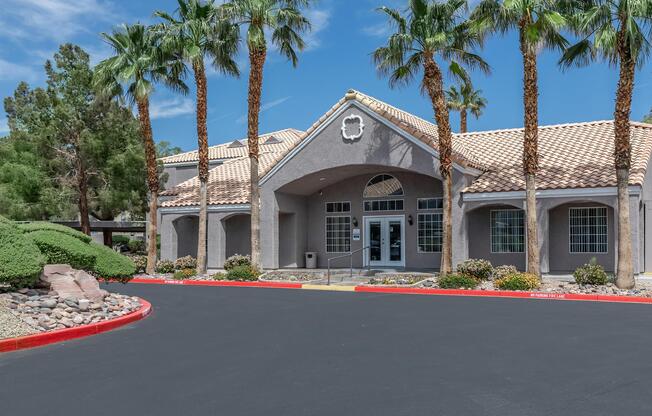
(326, 167)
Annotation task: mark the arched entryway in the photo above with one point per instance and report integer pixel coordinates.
(187, 230)
(238, 234)
(497, 233)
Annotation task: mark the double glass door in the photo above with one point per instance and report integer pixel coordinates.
(385, 237)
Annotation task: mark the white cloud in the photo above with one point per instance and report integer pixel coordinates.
(170, 108)
(4, 127)
(265, 107)
(10, 71)
(377, 30)
(319, 20)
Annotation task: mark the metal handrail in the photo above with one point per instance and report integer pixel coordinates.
(350, 256)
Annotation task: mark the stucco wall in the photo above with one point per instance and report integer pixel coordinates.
(238, 235)
(561, 259)
(379, 145)
(479, 227)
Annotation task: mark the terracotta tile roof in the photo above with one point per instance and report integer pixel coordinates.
(284, 140)
(578, 155)
(575, 155)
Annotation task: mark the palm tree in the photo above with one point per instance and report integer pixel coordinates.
(200, 31)
(465, 99)
(284, 22)
(137, 63)
(431, 30)
(539, 23)
(616, 31)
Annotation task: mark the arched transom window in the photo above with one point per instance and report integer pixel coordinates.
(383, 185)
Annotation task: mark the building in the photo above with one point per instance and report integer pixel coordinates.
(366, 174)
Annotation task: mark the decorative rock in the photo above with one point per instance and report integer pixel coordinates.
(78, 319)
(89, 286)
(48, 303)
(84, 304)
(59, 278)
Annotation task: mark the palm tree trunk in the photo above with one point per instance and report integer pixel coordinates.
(463, 121)
(433, 82)
(82, 187)
(257, 62)
(530, 148)
(202, 138)
(152, 180)
(622, 160)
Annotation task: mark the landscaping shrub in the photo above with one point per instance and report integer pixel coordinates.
(6, 221)
(60, 248)
(49, 226)
(243, 272)
(218, 276)
(140, 262)
(184, 274)
(111, 265)
(237, 260)
(136, 246)
(165, 266)
(502, 271)
(457, 281)
(478, 268)
(21, 261)
(518, 281)
(187, 262)
(590, 274)
(121, 240)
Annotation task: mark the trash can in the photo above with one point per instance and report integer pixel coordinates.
(311, 260)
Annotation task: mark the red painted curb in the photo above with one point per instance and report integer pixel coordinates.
(38, 340)
(277, 285)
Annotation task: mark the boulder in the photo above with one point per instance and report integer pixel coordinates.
(71, 284)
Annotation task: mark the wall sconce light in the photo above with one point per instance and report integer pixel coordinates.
(321, 192)
(410, 220)
(355, 222)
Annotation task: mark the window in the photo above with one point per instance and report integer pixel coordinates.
(587, 228)
(382, 186)
(338, 207)
(384, 205)
(507, 231)
(338, 234)
(429, 203)
(429, 232)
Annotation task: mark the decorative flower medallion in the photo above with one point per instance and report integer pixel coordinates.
(352, 127)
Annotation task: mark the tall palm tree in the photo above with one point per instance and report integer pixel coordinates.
(616, 31)
(137, 63)
(538, 23)
(430, 30)
(464, 99)
(200, 31)
(284, 22)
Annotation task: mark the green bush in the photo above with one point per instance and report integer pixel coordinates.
(478, 268)
(186, 262)
(237, 260)
(60, 248)
(165, 266)
(136, 246)
(590, 274)
(502, 271)
(218, 276)
(21, 261)
(244, 272)
(49, 226)
(110, 264)
(518, 281)
(122, 240)
(184, 274)
(457, 281)
(140, 262)
(6, 221)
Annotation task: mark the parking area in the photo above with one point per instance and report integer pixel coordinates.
(250, 351)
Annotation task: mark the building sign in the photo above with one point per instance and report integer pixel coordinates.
(356, 234)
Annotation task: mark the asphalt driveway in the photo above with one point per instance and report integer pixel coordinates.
(248, 351)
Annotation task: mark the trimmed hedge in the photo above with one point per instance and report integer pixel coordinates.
(110, 264)
(479, 268)
(243, 272)
(21, 262)
(518, 281)
(48, 226)
(237, 260)
(457, 281)
(60, 248)
(590, 274)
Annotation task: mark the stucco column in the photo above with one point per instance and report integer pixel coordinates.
(268, 229)
(634, 225)
(458, 217)
(168, 237)
(543, 231)
(216, 244)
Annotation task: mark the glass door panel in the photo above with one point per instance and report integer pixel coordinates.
(395, 234)
(375, 241)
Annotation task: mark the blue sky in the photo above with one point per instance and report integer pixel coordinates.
(337, 58)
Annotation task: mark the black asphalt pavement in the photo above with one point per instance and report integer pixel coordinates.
(250, 351)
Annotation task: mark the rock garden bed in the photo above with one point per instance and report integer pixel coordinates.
(293, 276)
